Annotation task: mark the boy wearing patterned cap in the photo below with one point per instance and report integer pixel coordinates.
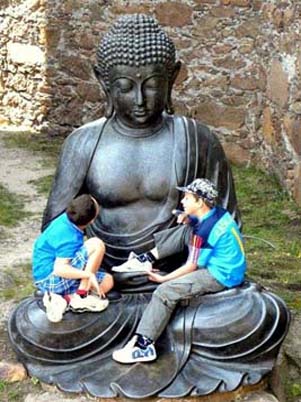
(216, 261)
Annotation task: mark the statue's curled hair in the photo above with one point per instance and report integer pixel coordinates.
(135, 40)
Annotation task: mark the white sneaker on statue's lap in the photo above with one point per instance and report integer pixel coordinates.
(133, 264)
(89, 303)
(55, 306)
(133, 354)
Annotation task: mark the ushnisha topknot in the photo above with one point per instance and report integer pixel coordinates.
(135, 40)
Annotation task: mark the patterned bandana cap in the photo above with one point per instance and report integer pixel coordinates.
(203, 188)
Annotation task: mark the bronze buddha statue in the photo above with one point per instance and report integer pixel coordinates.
(131, 161)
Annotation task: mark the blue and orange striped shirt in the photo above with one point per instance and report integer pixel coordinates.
(216, 244)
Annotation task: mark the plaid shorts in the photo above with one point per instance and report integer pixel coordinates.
(56, 284)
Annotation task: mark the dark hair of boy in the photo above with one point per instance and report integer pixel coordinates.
(210, 204)
(82, 210)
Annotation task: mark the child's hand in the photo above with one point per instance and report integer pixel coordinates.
(101, 294)
(153, 276)
(182, 217)
(93, 283)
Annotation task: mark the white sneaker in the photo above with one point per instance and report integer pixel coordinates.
(55, 306)
(89, 303)
(133, 354)
(133, 265)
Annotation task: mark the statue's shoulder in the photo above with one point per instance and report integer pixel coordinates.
(87, 134)
(196, 128)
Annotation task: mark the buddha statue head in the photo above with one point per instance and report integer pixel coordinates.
(136, 66)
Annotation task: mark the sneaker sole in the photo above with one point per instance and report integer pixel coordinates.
(81, 309)
(138, 360)
(116, 269)
(84, 310)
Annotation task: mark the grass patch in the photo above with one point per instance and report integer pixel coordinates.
(273, 223)
(49, 147)
(43, 184)
(16, 391)
(295, 390)
(9, 392)
(11, 208)
(22, 283)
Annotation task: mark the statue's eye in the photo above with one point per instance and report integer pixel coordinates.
(153, 83)
(123, 85)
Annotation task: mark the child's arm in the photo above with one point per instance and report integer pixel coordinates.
(183, 270)
(63, 268)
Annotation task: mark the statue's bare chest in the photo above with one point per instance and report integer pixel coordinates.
(130, 169)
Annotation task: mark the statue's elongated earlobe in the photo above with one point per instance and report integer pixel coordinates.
(169, 106)
(109, 104)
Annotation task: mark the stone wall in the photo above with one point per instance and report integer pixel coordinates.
(241, 70)
(22, 63)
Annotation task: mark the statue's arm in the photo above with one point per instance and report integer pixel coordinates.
(211, 163)
(69, 179)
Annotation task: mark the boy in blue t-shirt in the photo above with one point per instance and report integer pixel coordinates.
(65, 267)
(216, 261)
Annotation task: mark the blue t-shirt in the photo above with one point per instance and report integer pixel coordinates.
(60, 239)
(220, 246)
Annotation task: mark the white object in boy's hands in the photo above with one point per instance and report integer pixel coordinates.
(177, 212)
(133, 265)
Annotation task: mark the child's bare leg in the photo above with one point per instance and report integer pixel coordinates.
(96, 250)
(106, 284)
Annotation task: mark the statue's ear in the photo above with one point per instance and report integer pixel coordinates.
(109, 106)
(169, 106)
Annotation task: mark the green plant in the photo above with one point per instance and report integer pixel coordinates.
(22, 283)
(49, 146)
(43, 184)
(11, 207)
(9, 392)
(272, 229)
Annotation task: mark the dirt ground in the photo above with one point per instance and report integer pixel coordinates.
(18, 168)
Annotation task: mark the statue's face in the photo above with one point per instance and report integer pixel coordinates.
(139, 94)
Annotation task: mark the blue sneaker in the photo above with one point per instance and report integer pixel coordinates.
(133, 354)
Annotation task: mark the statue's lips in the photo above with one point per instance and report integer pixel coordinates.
(140, 112)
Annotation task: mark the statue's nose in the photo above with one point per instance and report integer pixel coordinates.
(139, 96)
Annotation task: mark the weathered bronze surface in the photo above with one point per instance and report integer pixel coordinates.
(214, 344)
(131, 161)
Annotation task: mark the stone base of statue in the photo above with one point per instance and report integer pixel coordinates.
(214, 343)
